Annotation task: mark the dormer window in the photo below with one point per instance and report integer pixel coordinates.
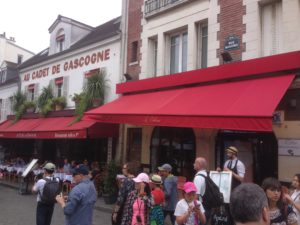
(60, 41)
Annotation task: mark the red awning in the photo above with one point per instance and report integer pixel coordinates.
(241, 105)
(56, 128)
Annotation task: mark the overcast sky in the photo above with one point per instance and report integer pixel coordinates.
(28, 20)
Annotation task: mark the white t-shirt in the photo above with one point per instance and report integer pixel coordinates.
(39, 186)
(183, 206)
(199, 182)
(296, 198)
(241, 170)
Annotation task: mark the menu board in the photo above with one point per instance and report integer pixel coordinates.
(29, 167)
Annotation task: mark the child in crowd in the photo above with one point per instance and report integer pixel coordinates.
(158, 196)
(189, 211)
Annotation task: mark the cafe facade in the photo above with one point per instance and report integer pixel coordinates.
(196, 100)
(76, 51)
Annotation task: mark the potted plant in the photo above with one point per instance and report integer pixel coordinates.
(29, 106)
(77, 98)
(95, 88)
(59, 103)
(17, 101)
(110, 186)
(46, 94)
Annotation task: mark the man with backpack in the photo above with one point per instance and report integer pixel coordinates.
(46, 188)
(207, 191)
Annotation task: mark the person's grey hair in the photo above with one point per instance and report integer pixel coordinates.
(247, 202)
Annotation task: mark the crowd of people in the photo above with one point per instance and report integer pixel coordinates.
(148, 199)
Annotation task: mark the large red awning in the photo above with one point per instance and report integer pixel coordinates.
(240, 105)
(56, 128)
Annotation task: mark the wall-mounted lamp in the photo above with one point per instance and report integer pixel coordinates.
(226, 57)
(127, 76)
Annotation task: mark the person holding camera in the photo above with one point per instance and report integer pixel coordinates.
(189, 211)
(138, 202)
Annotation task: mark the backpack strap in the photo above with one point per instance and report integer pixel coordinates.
(296, 197)
(205, 177)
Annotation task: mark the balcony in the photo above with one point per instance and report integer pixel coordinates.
(154, 7)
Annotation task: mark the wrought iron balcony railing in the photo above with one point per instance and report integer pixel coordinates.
(152, 6)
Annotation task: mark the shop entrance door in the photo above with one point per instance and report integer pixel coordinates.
(175, 146)
(258, 151)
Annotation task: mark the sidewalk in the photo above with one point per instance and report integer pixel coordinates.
(100, 204)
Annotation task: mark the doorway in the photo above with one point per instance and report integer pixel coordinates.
(258, 151)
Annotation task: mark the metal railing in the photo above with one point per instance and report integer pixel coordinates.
(156, 5)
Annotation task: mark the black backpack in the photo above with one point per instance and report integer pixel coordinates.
(51, 189)
(212, 197)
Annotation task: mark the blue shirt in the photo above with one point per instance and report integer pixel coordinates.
(170, 189)
(80, 205)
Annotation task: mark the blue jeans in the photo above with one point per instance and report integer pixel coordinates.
(44, 213)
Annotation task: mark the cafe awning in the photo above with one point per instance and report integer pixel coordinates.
(236, 105)
(56, 128)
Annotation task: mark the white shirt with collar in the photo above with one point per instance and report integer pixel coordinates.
(199, 182)
(241, 170)
(39, 186)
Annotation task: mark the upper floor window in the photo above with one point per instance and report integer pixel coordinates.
(134, 51)
(178, 52)
(60, 86)
(20, 59)
(60, 40)
(152, 56)
(202, 44)
(3, 76)
(30, 92)
(271, 22)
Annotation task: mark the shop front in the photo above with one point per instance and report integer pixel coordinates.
(200, 112)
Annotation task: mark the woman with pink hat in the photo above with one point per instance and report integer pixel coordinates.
(189, 211)
(138, 202)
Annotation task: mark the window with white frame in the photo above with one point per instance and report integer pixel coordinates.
(60, 40)
(30, 92)
(1, 109)
(3, 76)
(20, 59)
(202, 44)
(178, 52)
(60, 86)
(152, 56)
(271, 30)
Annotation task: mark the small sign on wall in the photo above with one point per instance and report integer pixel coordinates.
(231, 42)
(289, 147)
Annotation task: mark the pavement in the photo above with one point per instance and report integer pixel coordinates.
(100, 204)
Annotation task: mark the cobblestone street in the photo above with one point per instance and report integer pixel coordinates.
(18, 209)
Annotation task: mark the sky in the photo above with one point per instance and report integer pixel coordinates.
(28, 21)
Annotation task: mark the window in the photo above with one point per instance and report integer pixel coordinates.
(60, 86)
(202, 42)
(271, 22)
(3, 76)
(134, 51)
(20, 58)
(30, 92)
(1, 109)
(60, 40)
(178, 53)
(153, 56)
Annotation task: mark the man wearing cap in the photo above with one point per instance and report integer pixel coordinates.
(234, 165)
(44, 211)
(81, 200)
(170, 190)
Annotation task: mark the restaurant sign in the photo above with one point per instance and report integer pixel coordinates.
(232, 42)
(69, 65)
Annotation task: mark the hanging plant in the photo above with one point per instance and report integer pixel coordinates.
(18, 107)
(47, 93)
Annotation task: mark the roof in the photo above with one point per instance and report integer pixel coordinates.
(100, 33)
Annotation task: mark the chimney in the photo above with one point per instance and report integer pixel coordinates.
(12, 39)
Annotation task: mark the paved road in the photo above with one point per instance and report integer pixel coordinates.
(18, 209)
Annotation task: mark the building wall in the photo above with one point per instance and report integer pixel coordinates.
(182, 17)
(6, 92)
(290, 27)
(61, 67)
(9, 51)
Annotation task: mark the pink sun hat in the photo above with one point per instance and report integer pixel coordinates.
(142, 177)
(189, 187)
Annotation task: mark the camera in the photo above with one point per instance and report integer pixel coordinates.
(138, 219)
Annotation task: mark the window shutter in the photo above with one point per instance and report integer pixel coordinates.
(36, 92)
(27, 93)
(6, 108)
(65, 87)
(53, 87)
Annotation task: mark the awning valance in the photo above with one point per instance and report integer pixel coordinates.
(56, 128)
(240, 105)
